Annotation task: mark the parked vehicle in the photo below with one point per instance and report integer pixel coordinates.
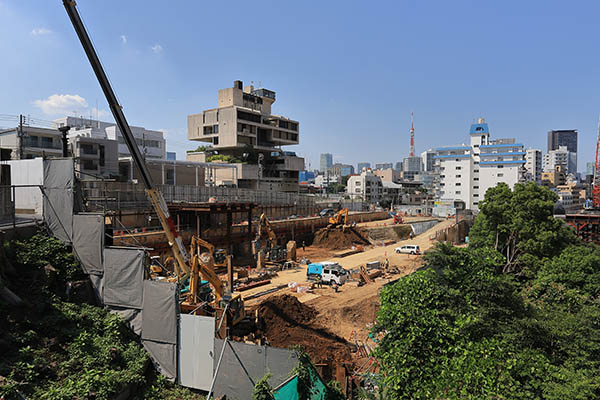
(328, 272)
(408, 249)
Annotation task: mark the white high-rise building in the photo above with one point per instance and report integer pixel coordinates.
(563, 157)
(466, 172)
(533, 165)
(428, 160)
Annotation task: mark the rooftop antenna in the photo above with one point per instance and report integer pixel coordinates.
(412, 135)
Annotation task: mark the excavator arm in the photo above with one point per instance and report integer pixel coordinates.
(156, 198)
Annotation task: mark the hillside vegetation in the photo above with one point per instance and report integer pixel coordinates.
(516, 315)
(57, 344)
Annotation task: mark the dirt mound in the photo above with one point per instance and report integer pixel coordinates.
(287, 322)
(337, 239)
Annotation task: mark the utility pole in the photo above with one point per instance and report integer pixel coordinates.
(20, 138)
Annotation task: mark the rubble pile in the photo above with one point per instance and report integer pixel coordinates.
(337, 239)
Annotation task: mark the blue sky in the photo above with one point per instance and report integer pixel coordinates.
(351, 72)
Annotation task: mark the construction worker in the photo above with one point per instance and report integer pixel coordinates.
(386, 265)
(410, 235)
(319, 283)
(334, 286)
(303, 247)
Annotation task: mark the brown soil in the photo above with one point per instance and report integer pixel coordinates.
(337, 239)
(287, 323)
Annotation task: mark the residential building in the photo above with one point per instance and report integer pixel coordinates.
(427, 157)
(563, 157)
(365, 186)
(362, 165)
(567, 138)
(243, 127)
(326, 161)
(151, 144)
(326, 180)
(554, 178)
(384, 165)
(533, 165)
(467, 171)
(388, 175)
(94, 154)
(341, 169)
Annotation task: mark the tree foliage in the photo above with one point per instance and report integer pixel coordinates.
(514, 316)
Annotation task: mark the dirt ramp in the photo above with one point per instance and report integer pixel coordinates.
(337, 239)
(287, 323)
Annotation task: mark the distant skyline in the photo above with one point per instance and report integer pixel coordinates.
(351, 73)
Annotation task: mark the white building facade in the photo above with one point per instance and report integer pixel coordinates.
(466, 172)
(367, 187)
(533, 165)
(563, 157)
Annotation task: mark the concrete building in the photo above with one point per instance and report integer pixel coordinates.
(589, 168)
(563, 157)
(151, 143)
(467, 171)
(384, 165)
(398, 166)
(94, 154)
(326, 161)
(322, 181)
(362, 165)
(533, 165)
(365, 186)
(554, 178)
(388, 175)
(243, 127)
(427, 158)
(567, 138)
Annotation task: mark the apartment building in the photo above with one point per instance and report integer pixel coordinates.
(533, 165)
(411, 166)
(243, 127)
(94, 155)
(388, 175)
(151, 144)
(365, 186)
(560, 157)
(467, 171)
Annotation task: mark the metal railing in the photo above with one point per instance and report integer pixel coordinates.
(109, 195)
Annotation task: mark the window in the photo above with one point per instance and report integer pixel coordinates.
(457, 183)
(89, 164)
(458, 176)
(46, 142)
(475, 145)
(458, 167)
(475, 195)
(475, 170)
(215, 128)
(500, 166)
(442, 176)
(457, 192)
(500, 175)
(475, 179)
(215, 140)
(458, 159)
(357, 190)
(476, 162)
(475, 187)
(475, 203)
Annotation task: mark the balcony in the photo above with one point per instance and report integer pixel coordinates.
(41, 143)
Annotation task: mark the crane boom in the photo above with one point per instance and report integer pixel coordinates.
(596, 181)
(160, 206)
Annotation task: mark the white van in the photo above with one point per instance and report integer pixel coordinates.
(408, 249)
(334, 273)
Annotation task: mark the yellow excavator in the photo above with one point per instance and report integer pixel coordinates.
(184, 265)
(266, 241)
(339, 219)
(219, 255)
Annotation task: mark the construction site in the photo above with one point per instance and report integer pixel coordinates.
(224, 285)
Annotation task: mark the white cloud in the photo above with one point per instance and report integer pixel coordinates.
(157, 48)
(124, 39)
(61, 104)
(40, 31)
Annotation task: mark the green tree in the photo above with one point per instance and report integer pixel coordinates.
(519, 223)
(262, 389)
